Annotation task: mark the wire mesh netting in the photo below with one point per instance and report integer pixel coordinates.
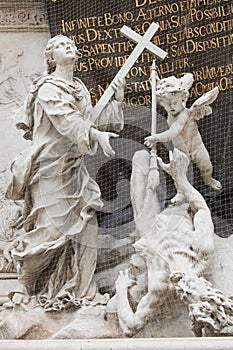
(197, 36)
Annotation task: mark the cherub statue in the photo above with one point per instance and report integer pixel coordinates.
(176, 244)
(172, 93)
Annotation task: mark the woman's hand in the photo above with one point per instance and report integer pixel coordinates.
(118, 86)
(102, 138)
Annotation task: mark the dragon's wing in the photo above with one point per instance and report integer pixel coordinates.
(201, 107)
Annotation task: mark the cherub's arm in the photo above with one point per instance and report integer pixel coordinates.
(168, 135)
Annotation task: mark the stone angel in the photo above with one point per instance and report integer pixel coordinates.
(172, 94)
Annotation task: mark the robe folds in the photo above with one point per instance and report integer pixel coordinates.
(57, 254)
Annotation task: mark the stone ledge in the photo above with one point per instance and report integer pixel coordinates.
(122, 344)
(23, 16)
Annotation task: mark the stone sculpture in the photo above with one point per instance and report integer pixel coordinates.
(53, 237)
(11, 215)
(56, 255)
(172, 93)
(10, 74)
(172, 252)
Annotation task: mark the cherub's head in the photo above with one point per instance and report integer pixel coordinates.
(172, 93)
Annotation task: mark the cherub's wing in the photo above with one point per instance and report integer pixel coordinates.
(201, 107)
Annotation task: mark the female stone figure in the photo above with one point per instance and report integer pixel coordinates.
(56, 256)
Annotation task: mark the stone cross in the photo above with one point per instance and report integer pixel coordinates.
(153, 93)
(143, 42)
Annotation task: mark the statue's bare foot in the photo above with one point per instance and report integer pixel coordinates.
(178, 199)
(215, 184)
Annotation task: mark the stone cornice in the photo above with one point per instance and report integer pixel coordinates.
(121, 344)
(23, 16)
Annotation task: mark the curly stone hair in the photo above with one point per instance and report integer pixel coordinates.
(50, 63)
(172, 85)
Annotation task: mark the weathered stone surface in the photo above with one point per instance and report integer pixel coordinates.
(21, 26)
(106, 279)
(28, 323)
(220, 269)
(23, 323)
(173, 252)
(89, 323)
(171, 321)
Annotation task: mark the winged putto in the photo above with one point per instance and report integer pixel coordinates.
(172, 94)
